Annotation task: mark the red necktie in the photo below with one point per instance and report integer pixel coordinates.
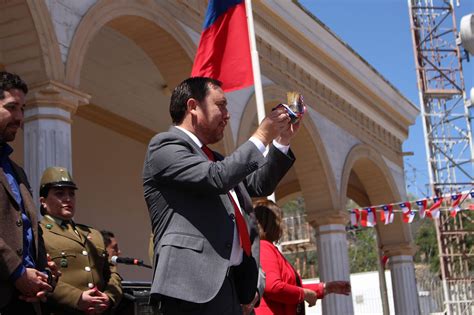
(239, 219)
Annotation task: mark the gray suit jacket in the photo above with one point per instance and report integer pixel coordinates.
(191, 213)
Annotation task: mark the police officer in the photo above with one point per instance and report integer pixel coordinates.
(88, 283)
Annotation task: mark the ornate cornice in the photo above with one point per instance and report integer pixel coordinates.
(287, 73)
(327, 217)
(328, 103)
(55, 94)
(398, 249)
(194, 10)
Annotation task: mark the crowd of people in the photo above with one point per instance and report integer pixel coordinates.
(213, 251)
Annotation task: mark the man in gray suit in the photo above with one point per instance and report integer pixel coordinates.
(200, 202)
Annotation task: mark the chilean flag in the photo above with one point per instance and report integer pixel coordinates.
(355, 217)
(407, 213)
(224, 47)
(386, 215)
(455, 201)
(433, 212)
(422, 204)
(368, 217)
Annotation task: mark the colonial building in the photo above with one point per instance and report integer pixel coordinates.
(101, 71)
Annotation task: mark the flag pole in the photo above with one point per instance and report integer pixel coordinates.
(257, 79)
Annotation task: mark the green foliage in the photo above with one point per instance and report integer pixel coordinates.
(362, 250)
(294, 207)
(363, 254)
(425, 240)
(424, 232)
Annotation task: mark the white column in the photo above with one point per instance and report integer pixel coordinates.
(47, 142)
(47, 129)
(333, 262)
(405, 292)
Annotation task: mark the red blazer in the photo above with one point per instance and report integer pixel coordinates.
(281, 295)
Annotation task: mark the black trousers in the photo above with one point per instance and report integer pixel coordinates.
(226, 302)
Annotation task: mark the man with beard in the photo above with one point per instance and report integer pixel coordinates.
(206, 251)
(22, 254)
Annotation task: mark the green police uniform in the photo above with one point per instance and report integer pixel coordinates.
(79, 252)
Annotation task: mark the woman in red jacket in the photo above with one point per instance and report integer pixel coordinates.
(284, 292)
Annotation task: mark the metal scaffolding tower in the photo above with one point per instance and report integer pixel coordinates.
(448, 140)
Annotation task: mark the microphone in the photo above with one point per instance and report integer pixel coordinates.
(128, 261)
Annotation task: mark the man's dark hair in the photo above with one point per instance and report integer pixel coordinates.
(195, 87)
(107, 235)
(10, 81)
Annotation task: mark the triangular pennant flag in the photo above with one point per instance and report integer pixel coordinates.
(427, 207)
(371, 216)
(433, 211)
(386, 215)
(406, 208)
(355, 217)
(422, 205)
(455, 201)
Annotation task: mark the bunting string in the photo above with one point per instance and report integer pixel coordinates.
(430, 207)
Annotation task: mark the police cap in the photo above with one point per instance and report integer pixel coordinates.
(55, 177)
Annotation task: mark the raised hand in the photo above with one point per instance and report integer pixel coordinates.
(288, 132)
(272, 125)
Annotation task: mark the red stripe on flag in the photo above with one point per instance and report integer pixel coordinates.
(224, 51)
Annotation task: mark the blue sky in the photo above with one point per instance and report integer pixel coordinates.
(379, 31)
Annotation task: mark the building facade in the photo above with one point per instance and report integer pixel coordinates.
(101, 72)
